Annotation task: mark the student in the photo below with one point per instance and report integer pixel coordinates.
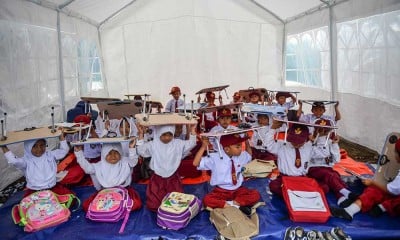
(39, 166)
(254, 99)
(317, 111)
(236, 98)
(258, 139)
(126, 128)
(321, 168)
(376, 198)
(280, 98)
(166, 154)
(92, 152)
(226, 173)
(111, 171)
(175, 102)
(209, 117)
(293, 155)
(224, 116)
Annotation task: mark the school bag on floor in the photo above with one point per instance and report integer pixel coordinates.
(305, 200)
(177, 209)
(42, 209)
(233, 224)
(111, 205)
(258, 168)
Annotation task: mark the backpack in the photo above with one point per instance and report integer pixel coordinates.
(42, 209)
(111, 205)
(177, 209)
(233, 224)
(258, 168)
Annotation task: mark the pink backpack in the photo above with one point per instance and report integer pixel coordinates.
(111, 205)
(42, 209)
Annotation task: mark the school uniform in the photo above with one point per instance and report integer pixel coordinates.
(321, 168)
(165, 160)
(173, 104)
(257, 143)
(286, 155)
(221, 178)
(219, 128)
(40, 172)
(111, 175)
(286, 105)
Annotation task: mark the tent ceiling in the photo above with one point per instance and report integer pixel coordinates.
(100, 10)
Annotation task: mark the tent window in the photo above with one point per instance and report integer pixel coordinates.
(89, 67)
(368, 56)
(307, 61)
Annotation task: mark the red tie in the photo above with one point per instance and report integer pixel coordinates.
(176, 106)
(297, 162)
(233, 173)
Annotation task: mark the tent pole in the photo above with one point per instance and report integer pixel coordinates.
(103, 75)
(268, 11)
(333, 56)
(283, 74)
(61, 69)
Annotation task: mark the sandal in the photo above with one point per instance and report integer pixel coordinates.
(339, 234)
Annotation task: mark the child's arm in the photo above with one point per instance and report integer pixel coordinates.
(189, 144)
(18, 163)
(293, 98)
(248, 147)
(300, 109)
(133, 156)
(338, 116)
(200, 152)
(270, 143)
(143, 149)
(64, 148)
(80, 158)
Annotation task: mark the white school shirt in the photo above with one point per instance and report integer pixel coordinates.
(170, 106)
(287, 155)
(40, 172)
(108, 175)
(333, 152)
(219, 128)
(310, 118)
(286, 105)
(394, 186)
(165, 158)
(259, 134)
(221, 169)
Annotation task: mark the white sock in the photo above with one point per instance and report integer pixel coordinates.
(345, 192)
(352, 209)
(341, 199)
(229, 203)
(382, 207)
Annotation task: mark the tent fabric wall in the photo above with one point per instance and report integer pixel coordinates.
(366, 77)
(192, 44)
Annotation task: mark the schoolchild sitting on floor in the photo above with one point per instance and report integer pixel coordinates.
(175, 102)
(376, 198)
(226, 173)
(111, 171)
(255, 98)
(258, 140)
(317, 111)
(224, 116)
(166, 154)
(126, 128)
(39, 165)
(321, 168)
(92, 152)
(281, 97)
(293, 155)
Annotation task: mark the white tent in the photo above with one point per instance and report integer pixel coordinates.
(54, 51)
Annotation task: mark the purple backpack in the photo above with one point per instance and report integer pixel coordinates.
(111, 205)
(177, 209)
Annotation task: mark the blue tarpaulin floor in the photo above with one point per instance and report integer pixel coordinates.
(142, 224)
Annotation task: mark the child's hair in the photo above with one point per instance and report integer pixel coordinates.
(318, 105)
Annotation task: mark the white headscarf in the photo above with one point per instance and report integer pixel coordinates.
(112, 175)
(131, 121)
(165, 158)
(40, 171)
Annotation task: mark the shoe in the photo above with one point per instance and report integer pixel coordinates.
(299, 233)
(340, 213)
(327, 236)
(246, 210)
(289, 234)
(312, 235)
(350, 199)
(376, 211)
(339, 234)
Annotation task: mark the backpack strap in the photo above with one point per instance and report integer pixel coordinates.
(67, 200)
(128, 203)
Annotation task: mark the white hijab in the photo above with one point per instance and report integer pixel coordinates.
(112, 175)
(131, 121)
(40, 171)
(165, 158)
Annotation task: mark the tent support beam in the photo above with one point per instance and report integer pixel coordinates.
(61, 69)
(268, 11)
(52, 6)
(61, 6)
(115, 13)
(323, 5)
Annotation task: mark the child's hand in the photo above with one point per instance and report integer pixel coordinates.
(132, 142)
(78, 148)
(107, 125)
(367, 181)
(5, 149)
(337, 104)
(276, 124)
(336, 139)
(62, 136)
(300, 102)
